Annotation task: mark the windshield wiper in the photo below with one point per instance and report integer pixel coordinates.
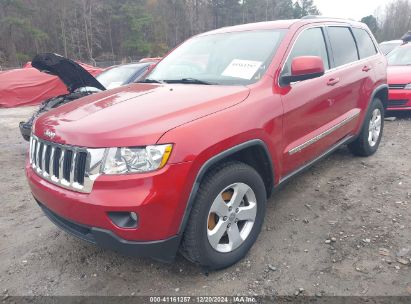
(189, 81)
(148, 80)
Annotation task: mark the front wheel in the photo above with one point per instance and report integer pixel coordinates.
(368, 140)
(227, 216)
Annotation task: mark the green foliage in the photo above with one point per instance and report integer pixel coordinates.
(124, 29)
(22, 58)
(15, 22)
(38, 35)
(304, 8)
(135, 45)
(137, 20)
(372, 23)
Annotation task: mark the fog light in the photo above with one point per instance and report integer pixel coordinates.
(124, 219)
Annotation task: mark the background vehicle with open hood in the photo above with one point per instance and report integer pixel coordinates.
(79, 82)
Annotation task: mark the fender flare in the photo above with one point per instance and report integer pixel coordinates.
(375, 92)
(208, 164)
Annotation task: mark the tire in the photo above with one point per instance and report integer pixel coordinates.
(223, 184)
(363, 146)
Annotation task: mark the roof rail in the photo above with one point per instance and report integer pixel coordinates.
(310, 17)
(324, 17)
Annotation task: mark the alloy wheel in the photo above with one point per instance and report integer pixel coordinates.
(231, 217)
(374, 129)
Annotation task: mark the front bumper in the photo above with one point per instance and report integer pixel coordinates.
(399, 100)
(158, 198)
(164, 250)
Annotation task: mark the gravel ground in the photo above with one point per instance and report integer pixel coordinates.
(341, 228)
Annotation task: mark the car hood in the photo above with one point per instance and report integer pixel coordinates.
(134, 115)
(71, 73)
(399, 74)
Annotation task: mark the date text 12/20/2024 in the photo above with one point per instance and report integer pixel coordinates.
(203, 299)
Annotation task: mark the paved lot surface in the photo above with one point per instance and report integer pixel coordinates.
(362, 204)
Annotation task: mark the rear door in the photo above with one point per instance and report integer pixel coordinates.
(371, 64)
(352, 69)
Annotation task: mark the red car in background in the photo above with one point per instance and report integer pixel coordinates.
(399, 78)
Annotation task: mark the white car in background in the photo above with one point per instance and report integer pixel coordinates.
(388, 46)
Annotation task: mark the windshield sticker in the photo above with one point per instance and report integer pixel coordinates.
(244, 69)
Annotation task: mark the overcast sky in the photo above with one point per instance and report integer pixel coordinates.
(354, 9)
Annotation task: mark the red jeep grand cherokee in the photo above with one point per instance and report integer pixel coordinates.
(187, 158)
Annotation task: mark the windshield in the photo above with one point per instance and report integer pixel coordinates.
(236, 58)
(119, 75)
(400, 56)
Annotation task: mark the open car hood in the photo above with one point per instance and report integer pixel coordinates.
(71, 73)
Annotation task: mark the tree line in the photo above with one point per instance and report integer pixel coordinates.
(392, 21)
(123, 30)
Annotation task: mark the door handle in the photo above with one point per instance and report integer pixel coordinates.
(366, 68)
(333, 81)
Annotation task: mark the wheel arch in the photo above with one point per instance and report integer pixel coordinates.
(380, 92)
(247, 152)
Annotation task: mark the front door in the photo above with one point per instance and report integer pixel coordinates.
(320, 112)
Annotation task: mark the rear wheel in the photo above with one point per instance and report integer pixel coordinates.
(368, 141)
(227, 216)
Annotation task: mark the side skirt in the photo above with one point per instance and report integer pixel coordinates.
(308, 165)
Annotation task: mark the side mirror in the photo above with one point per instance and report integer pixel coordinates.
(303, 68)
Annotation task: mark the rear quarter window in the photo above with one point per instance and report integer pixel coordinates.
(366, 46)
(343, 45)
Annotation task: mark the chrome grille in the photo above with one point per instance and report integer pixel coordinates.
(70, 167)
(396, 86)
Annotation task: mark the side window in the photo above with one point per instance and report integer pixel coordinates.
(343, 45)
(365, 44)
(310, 43)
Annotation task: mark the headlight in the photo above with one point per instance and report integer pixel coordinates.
(136, 160)
(407, 87)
